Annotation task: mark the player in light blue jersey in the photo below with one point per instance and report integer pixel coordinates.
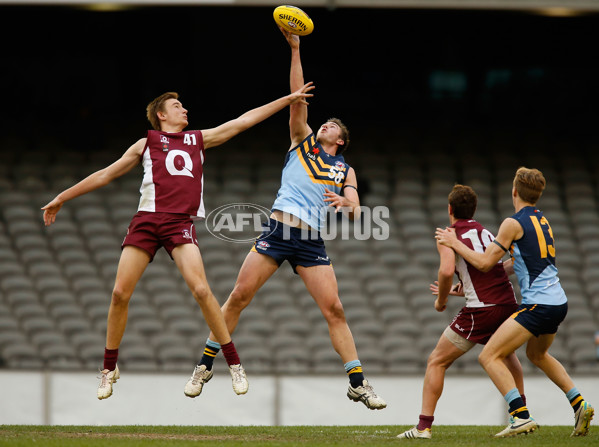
(544, 303)
(315, 175)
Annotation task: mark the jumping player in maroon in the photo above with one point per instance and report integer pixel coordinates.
(171, 194)
(173, 173)
(489, 301)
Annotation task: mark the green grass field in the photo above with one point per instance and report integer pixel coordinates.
(313, 436)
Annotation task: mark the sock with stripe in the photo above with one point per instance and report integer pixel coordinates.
(354, 372)
(230, 354)
(425, 422)
(575, 398)
(210, 351)
(110, 358)
(517, 408)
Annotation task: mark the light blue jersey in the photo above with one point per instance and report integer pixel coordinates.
(307, 172)
(534, 260)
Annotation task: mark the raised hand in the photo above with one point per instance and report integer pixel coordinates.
(299, 96)
(292, 39)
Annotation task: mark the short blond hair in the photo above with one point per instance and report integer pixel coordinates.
(157, 105)
(529, 184)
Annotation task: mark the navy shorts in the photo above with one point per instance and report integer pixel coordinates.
(284, 243)
(541, 319)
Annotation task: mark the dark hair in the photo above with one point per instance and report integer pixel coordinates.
(157, 105)
(463, 201)
(344, 135)
(529, 184)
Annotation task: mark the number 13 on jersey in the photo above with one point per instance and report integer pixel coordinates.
(542, 227)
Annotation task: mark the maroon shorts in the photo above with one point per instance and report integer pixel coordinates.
(477, 324)
(150, 231)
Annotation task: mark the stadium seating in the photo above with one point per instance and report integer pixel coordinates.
(56, 281)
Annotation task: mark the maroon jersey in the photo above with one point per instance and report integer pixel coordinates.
(481, 289)
(173, 173)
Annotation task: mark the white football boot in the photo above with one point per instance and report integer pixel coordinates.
(106, 380)
(196, 382)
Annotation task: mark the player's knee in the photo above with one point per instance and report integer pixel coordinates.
(120, 297)
(535, 357)
(334, 312)
(483, 359)
(434, 359)
(240, 297)
(201, 291)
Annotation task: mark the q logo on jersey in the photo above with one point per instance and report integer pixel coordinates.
(181, 169)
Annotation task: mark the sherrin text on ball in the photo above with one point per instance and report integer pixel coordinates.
(293, 19)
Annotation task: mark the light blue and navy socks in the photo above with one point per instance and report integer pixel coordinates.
(354, 372)
(210, 351)
(517, 407)
(575, 398)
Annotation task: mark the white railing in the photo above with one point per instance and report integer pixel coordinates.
(57, 398)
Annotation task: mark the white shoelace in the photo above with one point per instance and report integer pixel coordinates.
(237, 373)
(197, 375)
(369, 391)
(103, 380)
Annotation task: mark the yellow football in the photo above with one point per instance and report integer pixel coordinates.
(293, 19)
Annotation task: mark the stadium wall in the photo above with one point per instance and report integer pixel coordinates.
(149, 399)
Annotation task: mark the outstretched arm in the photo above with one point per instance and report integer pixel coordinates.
(298, 113)
(219, 135)
(509, 231)
(128, 161)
